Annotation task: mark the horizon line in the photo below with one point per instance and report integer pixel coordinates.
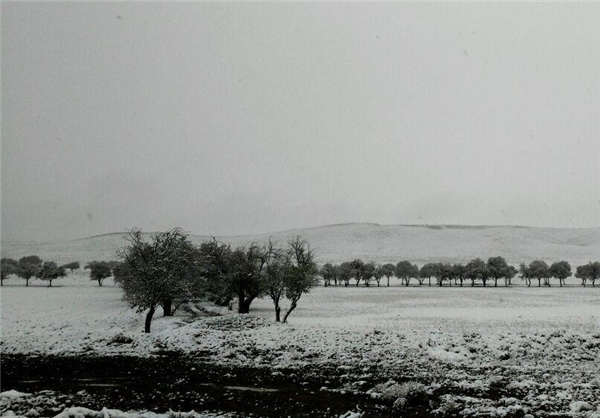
(432, 226)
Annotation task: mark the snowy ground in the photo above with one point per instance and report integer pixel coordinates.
(491, 351)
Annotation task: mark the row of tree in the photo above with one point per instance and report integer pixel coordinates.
(169, 270)
(475, 271)
(33, 266)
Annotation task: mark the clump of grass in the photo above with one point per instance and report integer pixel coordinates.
(120, 338)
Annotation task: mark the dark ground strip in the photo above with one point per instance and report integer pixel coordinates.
(183, 383)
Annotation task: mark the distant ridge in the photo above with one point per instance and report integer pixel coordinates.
(370, 241)
(287, 231)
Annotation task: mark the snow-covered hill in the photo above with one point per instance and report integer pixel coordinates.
(380, 243)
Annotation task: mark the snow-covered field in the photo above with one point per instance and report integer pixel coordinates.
(539, 348)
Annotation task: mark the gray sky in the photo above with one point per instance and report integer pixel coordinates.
(247, 118)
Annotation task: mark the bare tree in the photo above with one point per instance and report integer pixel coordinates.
(368, 273)
(28, 267)
(99, 270)
(477, 270)
(329, 274)
(215, 260)
(345, 273)
(303, 273)
(9, 266)
(428, 271)
(50, 271)
(539, 270)
(357, 270)
(561, 270)
(525, 274)
(387, 270)
(377, 274)
(498, 268)
(444, 273)
(246, 277)
(277, 268)
(159, 272)
(405, 271)
(590, 271)
(460, 272)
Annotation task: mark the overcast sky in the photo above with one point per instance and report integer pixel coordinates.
(247, 118)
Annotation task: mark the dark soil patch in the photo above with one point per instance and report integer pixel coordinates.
(184, 383)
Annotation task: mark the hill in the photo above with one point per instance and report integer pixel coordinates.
(380, 243)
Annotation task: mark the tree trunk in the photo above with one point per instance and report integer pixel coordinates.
(26, 282)
(388, 281)
(167, 305)
(277, 313)
(289, 311)
(429, 281)
(149, 316)
(495, 282)
(100, 282)
(50, 281)
(244, 305)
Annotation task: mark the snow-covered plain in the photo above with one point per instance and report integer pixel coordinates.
(541, 345)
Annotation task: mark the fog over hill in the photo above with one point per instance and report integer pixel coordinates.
(373, 242)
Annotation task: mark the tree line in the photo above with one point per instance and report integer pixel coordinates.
(169, 270)
(474, 272)
(33, 266)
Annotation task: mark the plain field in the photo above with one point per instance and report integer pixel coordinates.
(541, 343)
(76, 308)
